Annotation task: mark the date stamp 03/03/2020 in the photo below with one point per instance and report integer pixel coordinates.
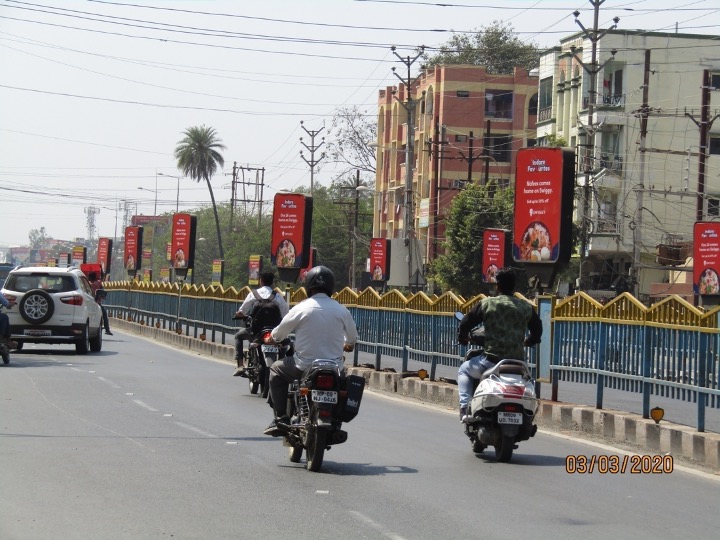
(619, 464)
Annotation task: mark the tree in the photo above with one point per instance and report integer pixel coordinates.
(473, 210)
(198, 157)
(38, 238)
(352, 132)
(493, 46)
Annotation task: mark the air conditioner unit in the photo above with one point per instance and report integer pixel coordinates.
(459, 184)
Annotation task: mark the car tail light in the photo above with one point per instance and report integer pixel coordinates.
(325, 381)
(11, 297)
(74, 300)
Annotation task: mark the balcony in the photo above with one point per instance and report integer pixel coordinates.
(544, 114)
(606, 100)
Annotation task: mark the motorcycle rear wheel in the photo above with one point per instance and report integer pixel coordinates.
(504, 451)
(253, 383)
(478, 447)
(315, 451)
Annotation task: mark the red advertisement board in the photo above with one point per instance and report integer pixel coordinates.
(538, 193)
(104, 254)
(133, 242)
(494, 248)
(292, 222)
(182, 249)
(706, 258)
(379, 259)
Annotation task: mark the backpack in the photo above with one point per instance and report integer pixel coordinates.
(265, 313)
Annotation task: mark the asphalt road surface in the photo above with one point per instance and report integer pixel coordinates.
(144, 441)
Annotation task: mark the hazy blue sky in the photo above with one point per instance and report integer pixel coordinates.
(94, 95)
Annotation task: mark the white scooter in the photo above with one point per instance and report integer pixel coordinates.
(503, 407)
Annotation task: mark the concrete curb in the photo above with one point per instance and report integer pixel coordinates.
(609, 425)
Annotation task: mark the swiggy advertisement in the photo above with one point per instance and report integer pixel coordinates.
(292, 222)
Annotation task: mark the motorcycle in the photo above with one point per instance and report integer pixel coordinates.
(504, 403)
(263, 351)
(318, 404)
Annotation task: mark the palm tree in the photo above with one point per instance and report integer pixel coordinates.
(198, 158)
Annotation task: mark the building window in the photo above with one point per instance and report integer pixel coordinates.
(715, 81)
(461, 138)
(533, 105)
(500, 147)
(463, 93)
(545, 99)
(531, 143)
(715, 146)
(498, 104)
(713, 207)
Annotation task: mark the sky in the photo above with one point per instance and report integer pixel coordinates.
(95, 94)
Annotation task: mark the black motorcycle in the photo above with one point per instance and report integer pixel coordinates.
(262, 353)
(318, 404)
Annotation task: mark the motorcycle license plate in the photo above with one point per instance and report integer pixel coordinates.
(510, 418)
(269, 348)
(324, 396)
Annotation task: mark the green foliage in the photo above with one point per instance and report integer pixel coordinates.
(494, 46)
(554, 140)
(475, 209)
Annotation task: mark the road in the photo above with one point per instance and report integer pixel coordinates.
(144, 441)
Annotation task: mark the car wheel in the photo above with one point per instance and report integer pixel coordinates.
(82, 346)
(37, 306)
(96, 341)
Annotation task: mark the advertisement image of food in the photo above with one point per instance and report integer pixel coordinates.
(709, 282)
(180, 261)
(491, 273)
(285, 254)
(130, 262)
(536, 244)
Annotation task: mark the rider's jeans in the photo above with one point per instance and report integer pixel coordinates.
(469, 370)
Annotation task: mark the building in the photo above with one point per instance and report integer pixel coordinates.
(641, 205)
(468, 125)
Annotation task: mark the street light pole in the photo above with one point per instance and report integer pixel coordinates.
(152, 191)
(177, 204)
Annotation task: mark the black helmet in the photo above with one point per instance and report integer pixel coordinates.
(319, 279)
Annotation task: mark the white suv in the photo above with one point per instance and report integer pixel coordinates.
(54, 305)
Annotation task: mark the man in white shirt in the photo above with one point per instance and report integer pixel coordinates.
(265, 291)
(323, 328)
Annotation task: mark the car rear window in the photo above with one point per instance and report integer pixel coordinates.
(48, 282)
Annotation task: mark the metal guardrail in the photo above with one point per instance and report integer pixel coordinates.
(670, 349)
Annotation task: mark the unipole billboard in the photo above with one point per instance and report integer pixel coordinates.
(291, 230)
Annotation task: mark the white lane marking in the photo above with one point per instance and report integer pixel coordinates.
(144, 405)
(230, 442)
(196, 430)
(167, 414)
(129, 394)
(91, 372)
(76, 369)
(103, 379)
(322, 492)
(375, 525)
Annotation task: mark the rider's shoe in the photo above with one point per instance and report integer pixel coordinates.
(464, 417)
(240, 372)
(277, 427)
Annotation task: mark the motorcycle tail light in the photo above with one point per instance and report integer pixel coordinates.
(325, 412)
(266, 337)
(324, 382)
(511, 408)
(74, 300)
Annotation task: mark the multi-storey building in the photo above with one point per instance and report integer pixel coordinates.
(468, 125)
(641, 205)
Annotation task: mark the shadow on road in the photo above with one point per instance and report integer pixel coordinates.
(524, 459)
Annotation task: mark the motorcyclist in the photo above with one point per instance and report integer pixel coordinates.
(264, 291)
(506, 320)
(323, 328)
(5, 322)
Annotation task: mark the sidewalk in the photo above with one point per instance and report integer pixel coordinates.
(623, 428)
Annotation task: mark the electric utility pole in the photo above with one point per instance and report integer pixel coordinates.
(409, 105)
(639, 199)
(470, 158)
(251, 188)
(594, 35)
(312, 149)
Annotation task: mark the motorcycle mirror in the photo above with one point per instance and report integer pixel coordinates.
(459, 315)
